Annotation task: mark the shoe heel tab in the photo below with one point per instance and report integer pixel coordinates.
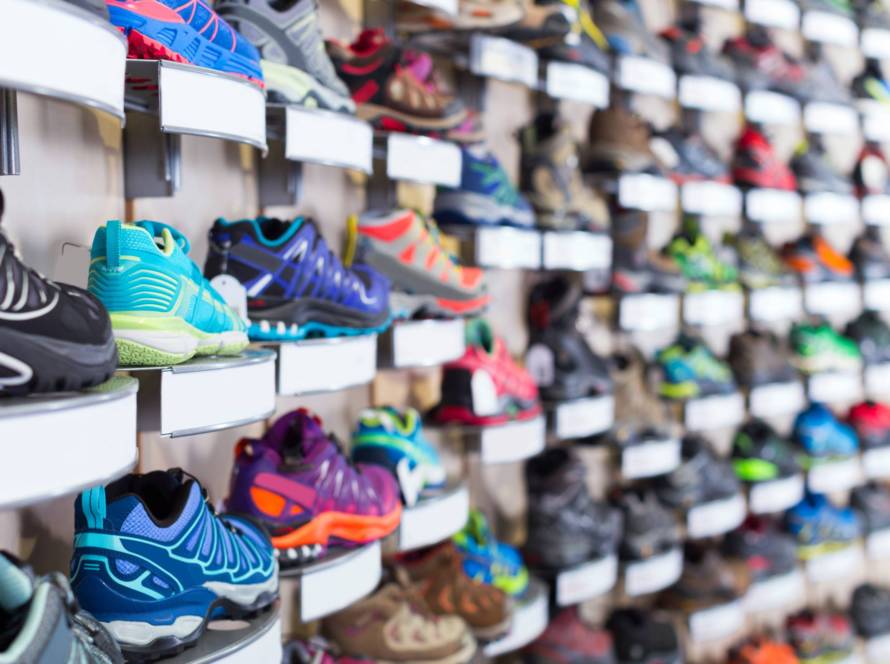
(351, 248)
(113, 231)
(91, 508)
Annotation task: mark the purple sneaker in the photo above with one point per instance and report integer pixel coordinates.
(298, 482)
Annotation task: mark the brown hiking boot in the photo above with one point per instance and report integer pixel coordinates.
(636, 269)
(618, 142)
(393, 625)
(759, 357)
(636, 406)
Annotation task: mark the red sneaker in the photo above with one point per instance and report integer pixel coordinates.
(871, 421)
(756, 165)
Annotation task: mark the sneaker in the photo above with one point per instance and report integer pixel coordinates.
(690, 370)
(756, 164)
(869, 256)
(394, 625)
(820, 637)
(569, 640)
(386, 92)
(872, 336)
(761, 550)
(815, 260)
(584, 44)
(870, 84)
(822, 437)
(394, 440)
(687, 157)
(815, 174)
(639, 415)
(759, 264)
(871, 422)
(872, 504)
(162, 310)
(485, 195)
(544, 23)
(487, 560)
(296, 287)
(701, 477)
(190, 32)
(649, 528)
(707, 581)
(823, 82)
(41, 622)
(819, 527)
(760, 454)
(761, 650)
(297, 481)
(635, 267)
(565, 526)
(690, 54)
(480, 15)
(871, 174)
(640, 638)
(625, 28)
(761, 65)
(758, 357)
(818, 347)
(618, 141)
(870, 610)
(559, 357)
(699, 262)
(54, 337)
(872, 14)
(154, 563)
(485, 387)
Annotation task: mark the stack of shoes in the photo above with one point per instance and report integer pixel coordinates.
(872, 335)
(699, 262)
(759, 454)
(759, 357)
(816, 261)
(707, 582)
(821, 437)
(488, 560)
(819, 527)
(760, 550)
(649, 528)
(569, 639)
(702, 477)
(690, 370)
(818, 347)
(635, 267)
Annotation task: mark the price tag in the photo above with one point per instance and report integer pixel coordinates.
(877, 544)
(586, 581)
(776, 593)
(835, 565)
(824, 118)
(776, 399)
(876, 294)
(578, 251)
(875, 120)
(578, 83)
(840, 298)
(447, 6)
(833, 476)
(713, 308)
(422, 159)
(715, 518)
(773, 205)
(648, 312)
(877, 649)
(642, 191)
(775, 495)
(876, 210)
(584, 417)
(832, 386)
(829, 208)
(716, 412)
(877, 380)
(646, 76)
(783, 14)
(711, 198)
(875, 43)
(503, 59)
(512, 442)
(769, 305)
(331, 138)
(716, 622)
(649, 576)
(427, 343)
(829, 28)
(508, 248)
(771, 108)
(707, 93)
(876, 463)
(650, 459)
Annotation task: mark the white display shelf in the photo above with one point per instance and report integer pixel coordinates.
(422, 159)
(876, 294)
(711, 198)
(499, 247)
(776, 495)
(876, 463)
(768, 305)
(496, 57)
(651, 193)
(768, 107)
(783, 14)
(648, 311)
(714, 307)
(650, 458)
(716, 517)
(326, 365)
(826, 118)
(581, 418)
(875, 43)
(66, 442)
(530, 617)
(835, 386)
(716, 622)
(833, 476)
(322, 137)
(776, 593)
(877, 381)
(827, 208)
(836, 564)
(773, 205)
(776, 399)
(447, 6)
(646, 76)
(337, 581)
(52, 48)
(235, 642)
(714, 412)
(576, 251)
(421, 343)
(829, 28)
(708, 93)
(566, 80)
(586, 581)
(876, 209)
(198, 101)
(839, 298)
(877, 544)
(875, 119)
(656, 573)
(501, 443)
(207, 394)
(434, 519)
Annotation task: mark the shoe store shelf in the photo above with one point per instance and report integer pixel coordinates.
(877, 545)
(776, 399)
(777, 303)
(877, 648)
(501, 443)
(648, 576)
(784, 592)
(773, 206)
(845, 563)
(646, 312)
(423, 160)
(708, 93)
(53, 48)
(715, 622)
(876, 294)
(714, 412)
(433, 519)
(235, 642)
(576, 251)
(875, 120)
(711, 198)
(714, 307)
(716, 517)
(338, 580)
(826, 118)
(233, 391)
(649, 458)
(836, 475)
(829, 28)
(773, 496)
(646, 76)
(825, 207)
(784, 14)
(424, 343)
(499, 247)
(833, 298)
(876, 463)
(503, 59)
(67, 442)
(842, 387)
(580, 418)
(875, 42)
(650, 193)
(876, 210)
(530, 616)
(325, 365)
(566, 80)
(197, 101)
(586, 581)
(772, 108)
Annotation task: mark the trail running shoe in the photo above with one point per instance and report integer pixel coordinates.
(618, 141)
(625, 28)
(299, 484)
(689, 369)
(41, 622)
(758, 357)
(870, 610)
(585, 44)
(635, 267)
(188, 31)
(762, 550)
(295, 64)
(163, 311)
(641, 638)
(649, 528)
(569, 640)
(815, 173)
(761, 650)
(818, 347)
(872, 334)
(296, 286)
(815, 260)
(487, 560)
(759, 64)
(53, 337)
(699, 262)
(871, 422)
(872, 504)
(707, 581)
(759, 264)
(759, 454)
(701, 477)
(425, 277)
(154, 563)
(393, 440)
(820, 637)
(688, 157)
(819, 527)
(822, 437)
(756, 165)
(869, 256)
(690, 54)
(640, 416)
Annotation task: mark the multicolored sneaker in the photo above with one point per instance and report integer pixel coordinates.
(385, 437)
(815, 260)
(822, 437)
(755, 163)
(699, 262)
(818, 347)
(689, 369)
(297, 481)
(296, 286)
(759, 454)
(162, 310)
(871, 422)
(569, 640)
(187, 31)
(760, 265)
(819, 527)
(154, 563)
(487, 560)
(820, 637)
(872, 335)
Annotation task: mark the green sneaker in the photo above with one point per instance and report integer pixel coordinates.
(689, 369)
(820, 348)
(698, 261)
(488, 561)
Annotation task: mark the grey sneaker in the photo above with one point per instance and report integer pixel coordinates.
(41, 623)
(98, 7)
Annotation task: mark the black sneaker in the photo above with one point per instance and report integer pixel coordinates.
(869, 256)
(872, 502)
(871, 610)
(761, 549)
(758, 357)
(690, 55)
(707, 581)
(815, 174)
(872, 335)
(649, 528)
(701, 477)
(53, 337)
(641, 639)
(565, 526)
(688, 157)
(760, 454)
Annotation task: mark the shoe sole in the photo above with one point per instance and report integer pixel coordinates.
(290, 85)
(145, 341)
(305, 317)
(465, 653)
(351, 528)
(406, 306)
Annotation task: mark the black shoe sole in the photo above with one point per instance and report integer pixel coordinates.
(311, 310)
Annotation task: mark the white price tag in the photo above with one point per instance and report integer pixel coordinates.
(233, 292)
(723, 4)
(835, 386)
(447, 6)
(773, 205)
(824, 118)
(783, 14)
(716, 412)
(776, 399)
(649, 576)
(707, 93)
(578, 251)
(646, 76)
(875, 120)
(324, 365)
(776, 593)
(834, 565)
(711, 198)
(508, 248)
(876, 294)
(650, 459)
(829, 28)
(648, 312)
(503, 59)
(877, 649)
(876, 209)
(512, 442)
(875, 43)
(769, 305)
(713, 307)
(715, 518)
(578, 83)
(642, 191)
(716, 622)
(840, 298)
(422, 159)
(584, 417)
(586, 581)
(775, 495)
(876, 463)
(833, 476)
(427, 343)
(877, 544)
(328, 138)
(830, 208)
(433, 520)
(771, 108)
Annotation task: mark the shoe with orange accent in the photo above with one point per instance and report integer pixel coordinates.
(298, 483)
(815, 260)
(425, 277)
(760, 650)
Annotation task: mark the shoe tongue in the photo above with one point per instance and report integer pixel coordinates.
(479, 334)
(296, 434)
(164, 235)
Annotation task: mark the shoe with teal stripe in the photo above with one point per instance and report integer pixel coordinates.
(154, 563)
(163, 310)
(489, 561)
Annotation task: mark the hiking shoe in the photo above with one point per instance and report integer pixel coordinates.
(707, 581)
(872, 336)
(569, 640)
(625, 28)
(584, 44)
(572, 370)
(485, 386)
(819, 527)
(639, 414)
(760, 454)
(870, 610)
(691, 56)
(394, 625)
(426, 279)
(387, 92)
(818, 347)
(162, 310)
(814, 173)
(701, 477)
(820, 637)
(871, 174)
(41, 622)
(485, 195)
(551, 179)
(759, 264)
(761, 650)
(618, 142)
(154, 563)
(758, 357)
(871, 422)
(565, 526)
(297, 481)
(295, 64)
(640, 638)
(394, 440)
(635, 267)
(689, 370)
(482, 15)
(872, 505)
(687, 157)
(869, 256)
(762, 550)
(824, 85)
(699, 262)
(821, 437)
(487, 560)
(296, 287)
(760, 65)
(756, 165)
(649, 528)
(815, 260)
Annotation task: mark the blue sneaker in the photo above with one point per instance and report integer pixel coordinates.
(488, 561)
(485, 195)
(822, 437)
(162, 309)
(820, 527)
(296, 287)
(154, 563)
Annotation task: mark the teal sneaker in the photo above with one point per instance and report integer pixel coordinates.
(162, 309)
(487, 560)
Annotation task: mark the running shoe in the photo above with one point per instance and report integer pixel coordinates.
(707, 581)
(871, 422)
(618, 141)
(815, 260)
(815, 173)
(625, 28)
(188, 31)
(53, 337)
(544, 23)
(872, 335)
(870, 610)
(761, 65)
(760, 549)
(649, 528)
(872, 14)
(699, 261)
(819, 527)
(871, 502)
(487, 560)
(701, 477)
(296, 286)
(394, 440)
(485, 195)
(690, 54)
(871, 174)
(154, 563)
(762, 650)
(871, 85)
(689, 370)
(585, 44)
(760, 454)
(822, 437)
(41, 622)
(688, 157)
(818, 347)
(758, 357)
(756, 165)
(426, 279)
(297, 481)
(471, 15)
(162, 310)
(485, 386)
(294, 61)
(635, 267)
(316, 650)
(640, 416)
(869, 256)
(818, 638)
(759, 264)
(569, 640)
(641, 638)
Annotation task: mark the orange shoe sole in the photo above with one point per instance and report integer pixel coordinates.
(350, 527)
